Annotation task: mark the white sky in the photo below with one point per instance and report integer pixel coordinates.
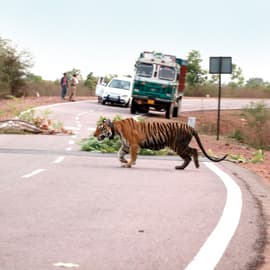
(106, 37)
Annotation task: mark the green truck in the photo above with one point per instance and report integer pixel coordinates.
(159, 82)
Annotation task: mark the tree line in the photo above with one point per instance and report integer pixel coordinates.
(15, 77)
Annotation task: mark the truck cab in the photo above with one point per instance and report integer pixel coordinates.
(158, 83)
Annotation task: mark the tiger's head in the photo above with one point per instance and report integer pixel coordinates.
(104, 130)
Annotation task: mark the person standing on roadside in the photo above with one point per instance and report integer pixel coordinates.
(73, 83)
(64, 86)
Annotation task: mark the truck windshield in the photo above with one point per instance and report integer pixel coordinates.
(144, 70)
(166, 73)
(120, 84)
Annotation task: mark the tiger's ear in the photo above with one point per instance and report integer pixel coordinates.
(108, 122)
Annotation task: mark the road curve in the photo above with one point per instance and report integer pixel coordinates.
(61, 205)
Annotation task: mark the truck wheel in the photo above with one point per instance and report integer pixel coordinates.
(133, 107)
(169, 111)
(103, 102)
(175, 112)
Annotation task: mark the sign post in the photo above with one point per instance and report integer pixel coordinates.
(220, 65)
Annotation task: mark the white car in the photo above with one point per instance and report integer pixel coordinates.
(118, 91)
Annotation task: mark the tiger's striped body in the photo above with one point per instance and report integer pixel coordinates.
(153, 135)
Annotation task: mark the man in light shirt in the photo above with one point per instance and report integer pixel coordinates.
(73, 84)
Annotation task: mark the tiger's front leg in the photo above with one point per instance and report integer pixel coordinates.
(122, 152)
(133, 156)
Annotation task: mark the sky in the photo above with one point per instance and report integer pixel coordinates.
(106, 37)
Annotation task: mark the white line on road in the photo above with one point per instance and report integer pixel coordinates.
(59, 159)
(68, 149)
(33, 173)
(91, 129)
(72, 128)
(82, 113)
(70, 142)
(216, 244)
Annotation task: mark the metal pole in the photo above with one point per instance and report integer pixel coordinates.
(218, 117)
(219, 96)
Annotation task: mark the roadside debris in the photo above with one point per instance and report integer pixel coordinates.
(29, 122)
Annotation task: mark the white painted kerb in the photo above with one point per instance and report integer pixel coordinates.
(213, 249)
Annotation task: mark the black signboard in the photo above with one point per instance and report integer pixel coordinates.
(220, 65)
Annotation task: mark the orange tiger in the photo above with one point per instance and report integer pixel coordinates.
(153, 135)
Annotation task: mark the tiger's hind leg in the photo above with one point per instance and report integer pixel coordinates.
(194, 152)
(186, 159)
(186, 156)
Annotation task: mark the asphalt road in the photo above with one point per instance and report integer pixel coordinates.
(62, 207)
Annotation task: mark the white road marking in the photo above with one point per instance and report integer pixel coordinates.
(217, 242)
(33, 173)
(91, 129)
(68, 149)
(74, 136)
(72, 128)
(82, 113)
(70, 142)
(59, 159)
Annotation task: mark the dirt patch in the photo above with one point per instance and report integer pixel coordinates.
(230, 122)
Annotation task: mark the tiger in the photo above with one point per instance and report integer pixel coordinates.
(154, 135)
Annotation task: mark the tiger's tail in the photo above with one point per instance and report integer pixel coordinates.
(195, 134)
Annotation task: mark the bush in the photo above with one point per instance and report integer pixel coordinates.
(91, 144)
(258, 125)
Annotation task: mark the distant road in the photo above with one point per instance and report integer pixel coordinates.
(202, 104)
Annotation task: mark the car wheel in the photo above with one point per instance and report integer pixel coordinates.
(127, 104)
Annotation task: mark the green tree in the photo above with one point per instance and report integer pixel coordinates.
(14, 66)
(237, 78)
(195, 74)
(108, 77)
(255, 82)
(74, 71)
(32, 77)
(91, 81)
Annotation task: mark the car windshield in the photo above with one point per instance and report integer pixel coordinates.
(120, 84)
(144, 70)
(166, 73)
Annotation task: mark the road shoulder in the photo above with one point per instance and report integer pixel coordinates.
(259, 191)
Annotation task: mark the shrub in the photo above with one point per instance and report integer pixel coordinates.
(91, 144)
(258, 124)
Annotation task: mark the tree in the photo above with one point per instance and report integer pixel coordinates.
(237, 78)
(13, 68)
(195, 74)
(255, 82)
(74, 71)
(91, 81)
(32, 77)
